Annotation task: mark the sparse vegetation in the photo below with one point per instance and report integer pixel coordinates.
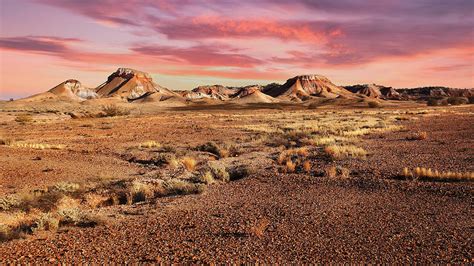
(206, 178)
(344, 151)
(37, 146)
(337, 171)
(420, 135)
(374, 104)
(189, 163)
(437, 102)
(149, 144)
(213, 148)
(294, 160)
(427, 174)
(24, 118)
(6, 141)
(458, 100)
(114, 110)
(260, 227)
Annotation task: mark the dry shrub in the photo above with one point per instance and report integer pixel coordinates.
(189, 163)
(337, 171)
(141, 192)
(114, 110)
(458, 100)
(149, 144)
(213, 148)
(374, 104)
(182, 187)
(260, 227)
(6, 141)
(24, 118)
(78, 217)
(426, 174)
(241, 171)
(437, 102)
(64, 187)
(290, 167)
(173, 162)
(294, 160)
(307, 166)
(206, 178)
(219, 172)
(93, 200)
(37, 146)
(343, 151)
(421, 135)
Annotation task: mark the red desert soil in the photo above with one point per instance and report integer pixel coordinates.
(266, 217)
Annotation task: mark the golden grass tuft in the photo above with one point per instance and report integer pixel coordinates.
(206, 178)
(24, 118)
(427, 174)
(421, 135)
(189, 163)
(290, 166)
(37, 146)
(114, 110)
(337, 171)
(149, 144)
(344, 151)
(259, 228)
(307, 166)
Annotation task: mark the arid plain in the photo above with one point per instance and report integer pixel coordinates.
(301, 172)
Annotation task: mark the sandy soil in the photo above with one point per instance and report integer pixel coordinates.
(268, 216)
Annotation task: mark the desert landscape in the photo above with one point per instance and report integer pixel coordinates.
(306, 171)
(208, 132)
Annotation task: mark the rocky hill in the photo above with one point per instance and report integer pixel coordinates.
(304, 87)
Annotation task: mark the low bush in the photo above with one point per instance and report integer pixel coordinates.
(458, 100)
(421, 135)
(343, 151)
(24, 118)
(114, 110)
(374, 104)
(426, 174)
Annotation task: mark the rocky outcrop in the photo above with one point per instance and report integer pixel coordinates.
(73, 89)
(374, 91)
(130, 84)
(217, 92)
(428, 92)
(305, 87)
(369, 90)
(253, 94)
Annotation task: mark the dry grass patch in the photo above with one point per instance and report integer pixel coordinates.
(37, 146)
(421, 135)
(149, 144)
(344, 151)
(114, 110)
(259, 228)
(206, 178)
(182, 187)
(24, 118)
(189, 163)
(427, 174)
(294, 160)
(337, 171)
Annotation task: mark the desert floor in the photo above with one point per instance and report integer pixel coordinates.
(291, 194)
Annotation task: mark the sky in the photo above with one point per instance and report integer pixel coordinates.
(186, 43)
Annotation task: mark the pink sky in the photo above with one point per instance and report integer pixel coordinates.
(186, 43)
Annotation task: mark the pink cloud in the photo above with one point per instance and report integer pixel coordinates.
(205, 27)
(204, 55)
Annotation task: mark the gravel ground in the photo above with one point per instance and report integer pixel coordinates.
(296, 218)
